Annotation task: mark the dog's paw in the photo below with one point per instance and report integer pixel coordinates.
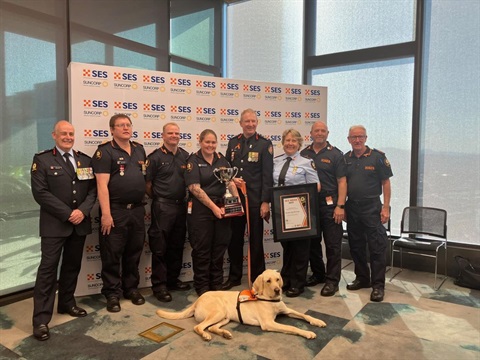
(227, 334)
(318, 322)
(309, 335)
(206, 336)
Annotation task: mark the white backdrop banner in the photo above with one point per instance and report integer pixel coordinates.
(195, 103)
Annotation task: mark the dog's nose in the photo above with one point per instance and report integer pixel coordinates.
(277, 290)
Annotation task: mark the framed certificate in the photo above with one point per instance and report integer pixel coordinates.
(295, 212)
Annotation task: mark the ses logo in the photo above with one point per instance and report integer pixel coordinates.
(251, 91)
(229, 86)
(293, 91)
(205, 110)
(205, 88)
(101, 133)
(272, 255)
(180, 109)
(153, 83)
(205, 84)
(152, 79)
(312, 95)
(229, 112)
(125, 105)
(95, 107)
(94, 78)
(124, 76)
(154, 107)
(274, 138)
(273, 90)
(95, 74)
(312, 115)
(272, 117)
(124, 80)
(92, 252)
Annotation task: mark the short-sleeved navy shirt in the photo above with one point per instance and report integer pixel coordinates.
(166, 172)
(330, 165)
(366, 173)
(127, 179)
(199, 171)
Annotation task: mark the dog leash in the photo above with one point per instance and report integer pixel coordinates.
(243, 189)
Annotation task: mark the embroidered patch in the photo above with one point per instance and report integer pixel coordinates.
(98, 154)
(189, 167)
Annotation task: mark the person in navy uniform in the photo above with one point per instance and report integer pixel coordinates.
(209, 232)
(252, 154)
(64, 186)
(368, 176)
(291, 168)
(120, 170)
(166, 235)
(331, 170)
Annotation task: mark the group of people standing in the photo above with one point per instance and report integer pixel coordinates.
(186, 194)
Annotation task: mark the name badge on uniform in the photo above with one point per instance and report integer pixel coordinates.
(85, 173)
(144, 167)
(253, 156)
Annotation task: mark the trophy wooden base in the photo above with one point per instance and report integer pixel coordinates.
(233, 207)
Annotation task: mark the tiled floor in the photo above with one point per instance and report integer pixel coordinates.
(414, 322)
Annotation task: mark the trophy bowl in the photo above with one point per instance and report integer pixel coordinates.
(232, 204)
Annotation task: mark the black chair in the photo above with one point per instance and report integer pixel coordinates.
(423, 232)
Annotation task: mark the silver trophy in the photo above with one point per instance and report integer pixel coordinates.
(232, 204)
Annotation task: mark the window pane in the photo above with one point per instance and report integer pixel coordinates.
(31, 103)
(192, 35)
(450, 150)
(378, 96)
(358, 24)
(265, 41)
(177, 68)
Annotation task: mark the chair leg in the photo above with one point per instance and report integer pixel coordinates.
(401, 264)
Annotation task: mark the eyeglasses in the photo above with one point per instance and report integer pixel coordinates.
(127, 125)
(359, 137)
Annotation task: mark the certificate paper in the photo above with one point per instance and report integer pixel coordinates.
(295, 210)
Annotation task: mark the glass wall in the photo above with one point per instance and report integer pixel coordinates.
(377, 95)
(265, 41)
(450, 116)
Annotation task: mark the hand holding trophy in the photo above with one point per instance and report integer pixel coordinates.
(232, 204)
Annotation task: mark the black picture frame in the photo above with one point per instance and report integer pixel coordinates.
(295, 212)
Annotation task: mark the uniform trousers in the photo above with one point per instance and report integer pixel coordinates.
(295, 263)
(167, 239)
(235, 249)
(364, 227)
(332, 236)
(46, 282)
(209, 238)
(120, 251)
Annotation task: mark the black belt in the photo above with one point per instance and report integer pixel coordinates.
(170, 201)
(126, 206)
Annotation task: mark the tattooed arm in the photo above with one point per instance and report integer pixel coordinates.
(202, 196)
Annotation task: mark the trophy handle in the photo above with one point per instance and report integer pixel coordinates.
(235, 170)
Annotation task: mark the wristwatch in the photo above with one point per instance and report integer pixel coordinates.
(341, 206)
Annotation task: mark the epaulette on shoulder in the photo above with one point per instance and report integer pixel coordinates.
(260, 136)
(153, 152)
(78, 152)
(278, 156)
(379, 151)
(44, 152)
(104, 143)
(334, 147)
(183, 150)
(135, 143)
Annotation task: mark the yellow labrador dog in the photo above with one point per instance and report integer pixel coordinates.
(215, 309)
